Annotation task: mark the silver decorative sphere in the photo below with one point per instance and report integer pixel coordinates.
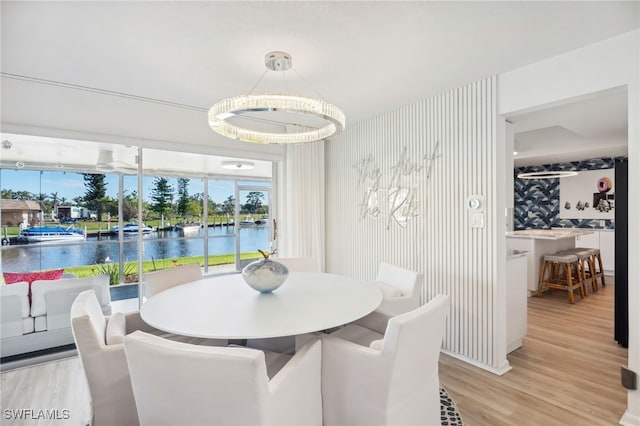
(265, 275)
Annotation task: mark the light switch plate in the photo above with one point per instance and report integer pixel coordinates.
(477, 220)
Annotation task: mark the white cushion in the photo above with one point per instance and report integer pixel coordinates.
(27, 325)
(377, 344)
(40, 288)
(40, 323)
(388, 290)
(357, 334)
(116, 329)
(20, 289)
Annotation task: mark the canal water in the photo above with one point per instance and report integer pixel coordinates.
(157, 245)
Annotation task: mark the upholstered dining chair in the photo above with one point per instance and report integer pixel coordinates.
(299, 264)
(158, 281)
(101, 351)
(401, 290)
(221, 386)
(100, 344)
(387, 379)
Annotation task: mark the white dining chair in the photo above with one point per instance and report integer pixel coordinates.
(389, 379)
(158, 281)
(100, 344)
(181, 384)
(299, 264)
(103, 360)
(401, 291)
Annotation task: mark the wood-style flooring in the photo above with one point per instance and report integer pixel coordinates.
(567, 373)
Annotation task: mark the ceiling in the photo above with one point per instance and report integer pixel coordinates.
(150, 70)
(594, 126)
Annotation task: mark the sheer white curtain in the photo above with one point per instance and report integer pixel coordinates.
(302, 225)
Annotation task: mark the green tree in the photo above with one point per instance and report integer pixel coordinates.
(228, 206)
(129, 205)
(193, 208)
(183, 196)
(95, 196)
(54, 201)
(254, 201)
(162, 196)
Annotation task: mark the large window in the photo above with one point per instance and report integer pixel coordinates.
(186, 206)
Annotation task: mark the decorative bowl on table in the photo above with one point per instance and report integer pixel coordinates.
(265, 275)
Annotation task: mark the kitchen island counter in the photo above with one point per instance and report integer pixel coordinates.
(539, 242)
(548, 234)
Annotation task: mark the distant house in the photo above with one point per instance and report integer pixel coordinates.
(15, 212)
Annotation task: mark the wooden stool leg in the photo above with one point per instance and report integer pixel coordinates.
(599, 258)
(541, 280)
(592, 273)
(583, 279)
(569, 286)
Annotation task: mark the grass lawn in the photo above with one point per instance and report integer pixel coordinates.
(131, 268)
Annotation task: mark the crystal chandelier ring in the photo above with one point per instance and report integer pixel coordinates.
(220, 112)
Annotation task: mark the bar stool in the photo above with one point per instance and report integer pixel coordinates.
(598, 268)
(587, 265)
(557, 264)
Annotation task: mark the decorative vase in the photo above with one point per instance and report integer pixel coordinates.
(265, 275)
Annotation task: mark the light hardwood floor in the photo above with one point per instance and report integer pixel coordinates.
(567, 373)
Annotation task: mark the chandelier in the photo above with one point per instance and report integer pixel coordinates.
(332, 117)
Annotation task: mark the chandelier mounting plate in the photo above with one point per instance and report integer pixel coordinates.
(277, 61)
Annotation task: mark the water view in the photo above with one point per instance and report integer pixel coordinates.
(157, 246)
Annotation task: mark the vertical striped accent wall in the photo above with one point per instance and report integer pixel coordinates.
(455, 259)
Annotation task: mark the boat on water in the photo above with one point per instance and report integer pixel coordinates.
(188, 226)
(247, 221)
(132, 228)
(264, 220)
(44, 234)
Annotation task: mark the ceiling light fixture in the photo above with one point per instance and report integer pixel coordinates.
(238, 165)
(105, 161)
(227, 108)
(545, 175)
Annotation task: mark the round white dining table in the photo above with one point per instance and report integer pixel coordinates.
(224, 307)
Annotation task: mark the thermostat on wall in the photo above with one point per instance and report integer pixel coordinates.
(475, 203)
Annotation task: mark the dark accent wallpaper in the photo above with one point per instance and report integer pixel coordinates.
(537, 201)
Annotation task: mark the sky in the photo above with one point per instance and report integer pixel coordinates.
(70, 185)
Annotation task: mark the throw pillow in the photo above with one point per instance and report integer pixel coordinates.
(15, 277)
(30, 277)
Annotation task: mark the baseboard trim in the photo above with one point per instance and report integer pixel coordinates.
(499, 371)
(37, 359)
(629, 419)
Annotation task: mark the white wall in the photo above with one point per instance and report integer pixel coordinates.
(33, 108)
(437, 239)
(608, 64)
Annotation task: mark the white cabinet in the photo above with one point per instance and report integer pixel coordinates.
(589, 240)
(516, 300)
(608, 250)
(605, 241)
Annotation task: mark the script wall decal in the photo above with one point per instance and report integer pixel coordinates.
(393, 193)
